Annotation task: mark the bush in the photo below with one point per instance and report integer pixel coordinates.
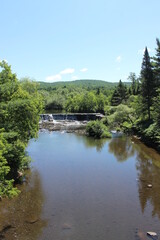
(97, 129)
(123, 114)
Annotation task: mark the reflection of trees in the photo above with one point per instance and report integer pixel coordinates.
(22, 215)
(91, 142)
(94, 143)
(122, 148)
(149, 173)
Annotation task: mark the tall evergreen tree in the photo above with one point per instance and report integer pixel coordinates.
(147, 83)
(156, 64)
(120, 94)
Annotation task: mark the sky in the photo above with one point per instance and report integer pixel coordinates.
(64, 40)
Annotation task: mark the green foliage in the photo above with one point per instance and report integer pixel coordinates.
(149, 131)
(81, 84)
(135, 85)
(120, 94)
(20, 105)
(97, 129)
(77, 96)
(148, 83)
(156, 65)
(123, 116)
(6, 186)
(87, 102)
(156, 111)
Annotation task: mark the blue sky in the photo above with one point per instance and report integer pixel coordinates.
(62, 40)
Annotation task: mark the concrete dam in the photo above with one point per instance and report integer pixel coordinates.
(71, 116)
(67, 122)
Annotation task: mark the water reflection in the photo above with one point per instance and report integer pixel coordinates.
(86, 198)
(20, 218)
(91, 142)
(148, 166)
(94, 143)
(122, 148)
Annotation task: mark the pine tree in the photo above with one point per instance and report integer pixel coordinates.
(147, 83)
(156, 64)
(120, 94)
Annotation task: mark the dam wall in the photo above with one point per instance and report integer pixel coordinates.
(71, 116)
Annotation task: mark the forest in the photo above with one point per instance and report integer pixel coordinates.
(133, 107)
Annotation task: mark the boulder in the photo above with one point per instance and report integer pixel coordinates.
(152, 234)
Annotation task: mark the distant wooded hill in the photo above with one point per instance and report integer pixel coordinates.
(87, 83)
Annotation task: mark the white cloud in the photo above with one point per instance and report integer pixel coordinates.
(141, 51)
(67, 71)
(84, 70)
(74, 77)
(118, 59)
(53, 78)
(58, 76)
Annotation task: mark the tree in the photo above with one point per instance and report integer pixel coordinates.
(120, 94)
(157, 108)
(134, 86)
(20, 105)
(122, 114)
(88, 103)
(100, 103)
(97, 129)
(156, 64)
(147, 83)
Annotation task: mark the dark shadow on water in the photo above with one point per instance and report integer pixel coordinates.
(20, 218)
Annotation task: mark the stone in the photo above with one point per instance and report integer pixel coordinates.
(66, 226)
(149, 185)
(32, 220)
(152, 234)
(20, 174)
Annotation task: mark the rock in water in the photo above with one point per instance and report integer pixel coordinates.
(149, 185)
(152, 234)
(66, 226)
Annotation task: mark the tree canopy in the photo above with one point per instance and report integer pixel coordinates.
(20, 105)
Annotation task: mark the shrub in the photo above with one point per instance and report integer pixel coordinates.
(97, 129)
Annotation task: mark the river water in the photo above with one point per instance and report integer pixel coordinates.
(79, 188)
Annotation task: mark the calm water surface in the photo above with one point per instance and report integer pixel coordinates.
(85, 189)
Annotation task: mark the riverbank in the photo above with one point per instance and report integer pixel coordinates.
(149, 142)
(149, 133)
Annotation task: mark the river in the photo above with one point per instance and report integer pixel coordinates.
(79, 188)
